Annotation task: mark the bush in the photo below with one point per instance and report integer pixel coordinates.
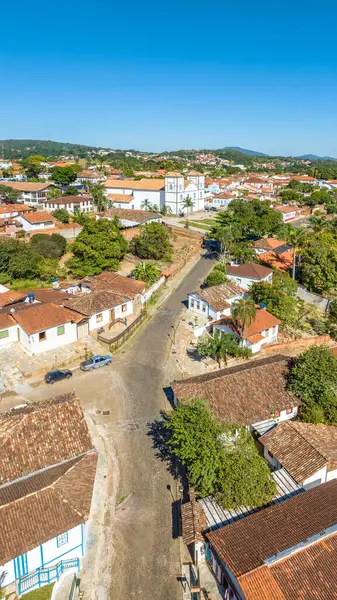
(153, 242)
(49, 246)
(217, 275)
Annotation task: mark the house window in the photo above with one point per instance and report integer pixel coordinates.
(124, 307)
(192, 303)
(198, 305)
(62, 539)
(170, 187)
(289, 411)
(277, 414)
(99, 318)
(42, 336)
(4, 334)
(204, 308)
(60, 330)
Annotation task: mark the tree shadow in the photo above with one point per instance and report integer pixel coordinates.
(160, 436)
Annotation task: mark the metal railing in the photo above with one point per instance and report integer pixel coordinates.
(46, 575)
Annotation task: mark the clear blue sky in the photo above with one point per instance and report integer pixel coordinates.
(161, 76)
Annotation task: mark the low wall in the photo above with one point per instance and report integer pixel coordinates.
(300, 343)
(312, 298)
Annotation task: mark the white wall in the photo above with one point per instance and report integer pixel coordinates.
(49, 553)
(33, 226)
(246, 282)
(119, 314)
(32, 344)
(155, 197)
(12, 336)
(152, 289)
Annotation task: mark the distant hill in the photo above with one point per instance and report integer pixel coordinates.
(315, 157)
(245, 151)
(16, 149)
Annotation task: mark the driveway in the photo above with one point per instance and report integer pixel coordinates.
(145, 560)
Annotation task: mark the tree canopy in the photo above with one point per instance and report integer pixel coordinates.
(63, 175)
(153, 242)
(49, 246)
(99, 247)
(220, 346)
(217, 275)
(313, 378)
(249, 217)
(147, 272)
(221, 460)
(9, 193)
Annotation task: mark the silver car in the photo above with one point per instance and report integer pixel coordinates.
(95, 362)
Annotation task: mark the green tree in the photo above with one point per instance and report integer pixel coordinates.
(166, 210)
(278, 303)
(290, 196)
(63, 175)
(146, 205)
(243, 312)
(195, 439)
(53, 192)
(297, 238)
(61, 214)
(225, 235)
(217, 275)
(283, 281)
(313, 378)
(333, 310)
(242, 252)
(24, 263)
(147, 272)
(318, 270)
(9, 193)
(45, 246)
(80, 217)
(98, 193)
(245, 478)
(153, 242)
(47, 269)
(220, 346)
(187, 206)
(72, 191)
(99, 247)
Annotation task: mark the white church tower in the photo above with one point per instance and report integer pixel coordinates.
(174, 192)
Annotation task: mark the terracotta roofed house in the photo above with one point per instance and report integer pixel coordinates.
(252, 394)
(261, 331)
(70, 203)
(287, 551)
(138, 192)
(246, 274)
(32, 193)
(128, 219)
(101, 306)
(308, 452)
(214, 301)
(48, 467)
(37, 221)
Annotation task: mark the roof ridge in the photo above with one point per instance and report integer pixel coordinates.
(64, 499)
(307, 441)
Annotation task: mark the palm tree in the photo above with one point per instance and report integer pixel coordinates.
(98, 193)
(188, 205)
(244, 312)
(146, 205)
(147, 272)
(224, 235)
(296, 238)
(166, 210)
(318, 222)
(220, 346)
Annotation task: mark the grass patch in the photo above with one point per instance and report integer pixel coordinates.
(122, 498)
(26, 284)
(207, 221)
(42, 593)
(199, 225)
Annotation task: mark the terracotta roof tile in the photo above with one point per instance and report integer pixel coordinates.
(38, 217)
(217, 295)
(49, 511)
(68, 200)
(6, 321)
(139, 216)
(39, 317)
(260, 585)
(131, 184)
(250, 270)
(242, 395)
(116, 283)
(12, 208)
(302, 448)
(94, 302)
(262, 322)
(245, 544)
(267, 244)
(11, 297)
(193, 520)
(27, 186)
(40, 435)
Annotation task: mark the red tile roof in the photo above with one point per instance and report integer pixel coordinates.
(245, 544)
(39, 217)
(249, 270)
(39, 317)
(262, 322)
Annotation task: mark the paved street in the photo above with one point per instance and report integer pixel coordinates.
(145, 557)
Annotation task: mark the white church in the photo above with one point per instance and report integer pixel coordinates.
(171, 191)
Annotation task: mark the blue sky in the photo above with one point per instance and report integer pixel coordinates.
(159, 77)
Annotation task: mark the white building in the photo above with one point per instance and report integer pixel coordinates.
(307, 452)
(32, 193)
(263, 330)
(177, 190)
(248, 273)
(70, 204)
(14, 210)
(215, 301)
(48, 467)
(101, 307)
(136, 195)
(289, 213)
(36, 221)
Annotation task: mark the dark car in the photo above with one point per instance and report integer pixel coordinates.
(95, 362)
(54, 376)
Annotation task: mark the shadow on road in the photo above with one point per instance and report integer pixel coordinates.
(160, 437)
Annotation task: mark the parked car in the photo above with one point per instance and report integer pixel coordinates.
(214, 208)
(54, 376)
(96, 361)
